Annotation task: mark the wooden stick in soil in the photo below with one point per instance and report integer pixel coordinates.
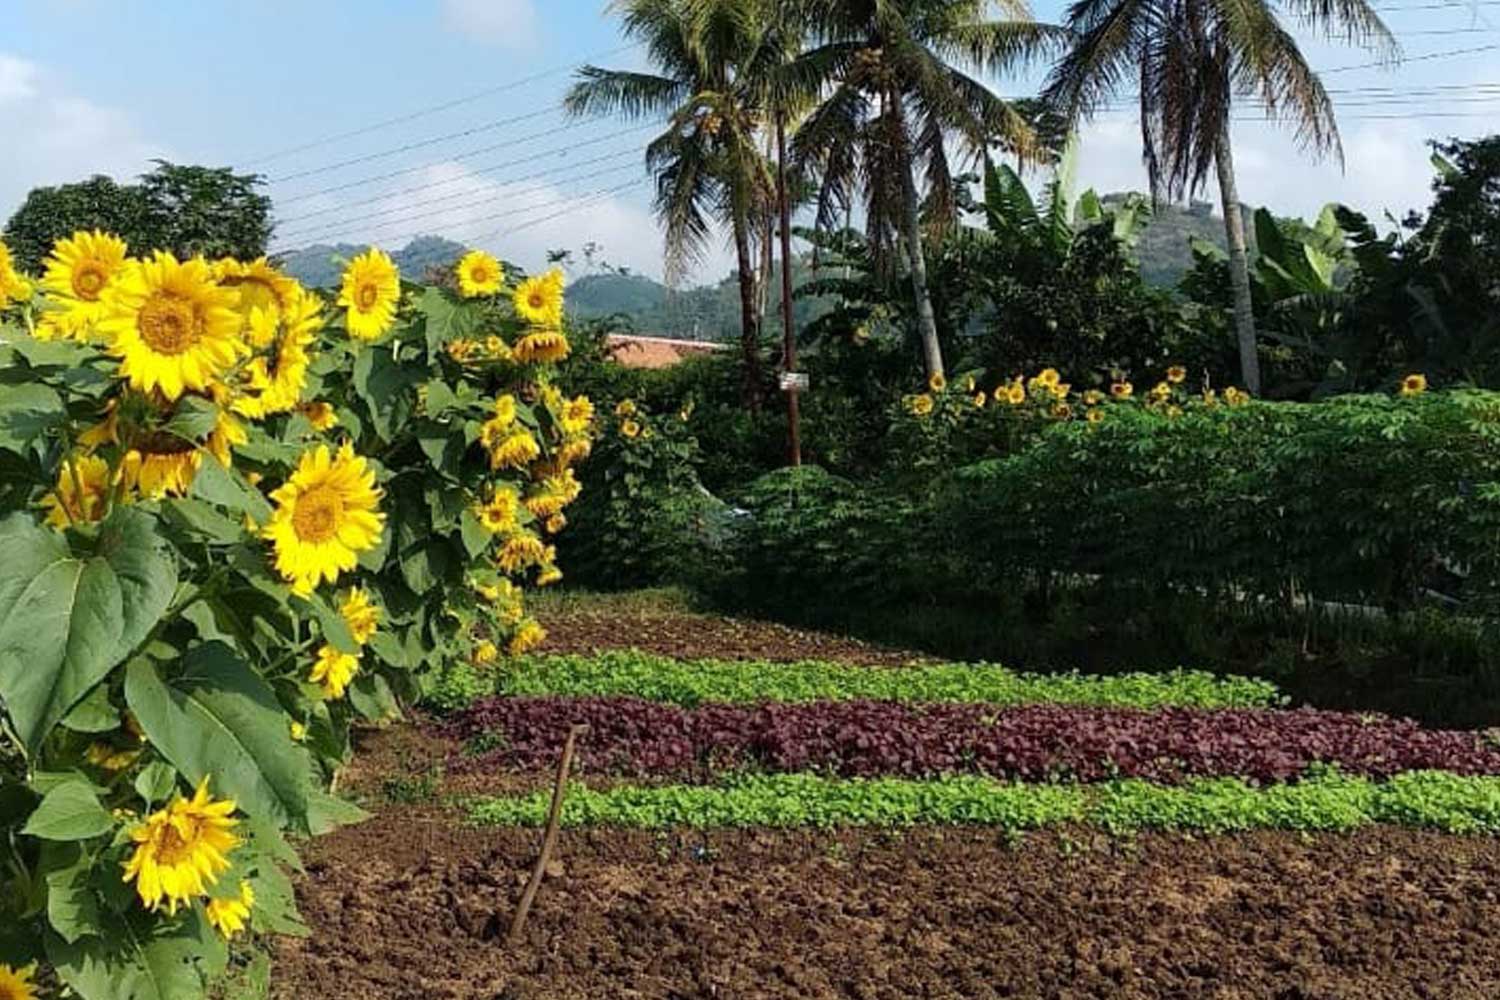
(549, 841)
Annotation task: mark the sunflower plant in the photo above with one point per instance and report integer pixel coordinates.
(238, 516)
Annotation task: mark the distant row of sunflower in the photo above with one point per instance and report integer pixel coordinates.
(196, 356)
(1048, 394)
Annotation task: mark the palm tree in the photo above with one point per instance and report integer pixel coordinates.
(896, 88)
(707, 163)
(1192, 59)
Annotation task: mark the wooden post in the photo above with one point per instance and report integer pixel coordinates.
(549, 841)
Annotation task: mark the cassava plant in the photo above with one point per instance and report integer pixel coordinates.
(234, 519)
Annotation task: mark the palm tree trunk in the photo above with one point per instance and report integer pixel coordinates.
(1239, 263)
(749, 317)
(932, 350)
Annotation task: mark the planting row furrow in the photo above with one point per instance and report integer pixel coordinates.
(631, 736)
(693, 682)
(1331, 801)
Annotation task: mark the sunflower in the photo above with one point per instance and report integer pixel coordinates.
(274, 383)
(298, 731)
(496, 349)
(555, 524)
(1413, 385)
(1236, 397)
(360, 613)
(541, 347)
(479, 274)
(1048, 377)
(937, 382)
(574, 450)
(171, 326)
(979, 400)
(630, 429)
(516, 451)
(81, 494)
(1122, 390)
(625, 408)
(1015, 394)
(261, 287)
(229, 916)
(371, 292)
(1095, 415)
(79, 272)
(161, 465)
(539, 300)
(333, 671)
(921, 405)
(528, 636)
(576, 416)
(1176, 374)
(1062, 411)
(321, 415)
(500, 513)
(550, 574)
(13, 285)
(461, 350)
(16, 984)
(519, 551)
(326, 515)
(486, 653)
(181, 850)
(546, 504)
(1093, 397)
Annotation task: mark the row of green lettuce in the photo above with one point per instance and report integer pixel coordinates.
(1324, 802)
(693, 682)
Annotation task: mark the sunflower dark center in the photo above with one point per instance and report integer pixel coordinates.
(168, 324)
(89, 280)
(317, 516)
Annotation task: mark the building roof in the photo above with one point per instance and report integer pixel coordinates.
(655, 352)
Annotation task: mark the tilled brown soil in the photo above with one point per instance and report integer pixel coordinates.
(413, 906)
(692, 636)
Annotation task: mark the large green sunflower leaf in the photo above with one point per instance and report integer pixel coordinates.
(66, 620)
(218, 719)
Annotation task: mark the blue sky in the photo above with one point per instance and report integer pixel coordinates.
(92, 86)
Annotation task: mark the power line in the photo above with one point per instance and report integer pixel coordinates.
(419, 167)
(363, 224)
(508, 214)
(532, 158)
(1425, 57)
(589, 201)
(419, 144)
(444, 106)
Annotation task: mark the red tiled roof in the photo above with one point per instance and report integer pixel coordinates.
(655, 352)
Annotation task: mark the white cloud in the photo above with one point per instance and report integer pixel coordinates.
(60, 138)
(509, 23)
(1386, 167)
(17, 79)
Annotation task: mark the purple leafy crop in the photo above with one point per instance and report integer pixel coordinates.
(629, 736)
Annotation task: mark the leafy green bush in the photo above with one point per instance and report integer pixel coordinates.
(644, 516)
(1423, 799)
(1363, 499)
(809, 536)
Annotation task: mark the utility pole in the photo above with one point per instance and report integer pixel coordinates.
(789, 333)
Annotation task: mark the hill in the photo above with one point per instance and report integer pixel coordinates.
(321, 264)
